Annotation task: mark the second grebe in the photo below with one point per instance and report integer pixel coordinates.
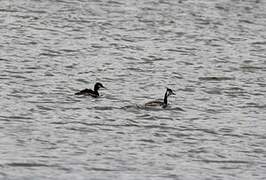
(160, 103)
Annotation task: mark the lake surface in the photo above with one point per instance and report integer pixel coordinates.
(212, 53)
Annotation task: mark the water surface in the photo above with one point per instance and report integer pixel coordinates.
(211, 53)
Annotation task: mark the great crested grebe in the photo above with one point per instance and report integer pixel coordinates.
(90, 92)
(160, 103)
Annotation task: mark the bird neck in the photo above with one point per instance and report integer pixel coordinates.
(165, 98)
(96, 88)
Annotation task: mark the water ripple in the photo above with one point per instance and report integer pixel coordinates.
(211, 53)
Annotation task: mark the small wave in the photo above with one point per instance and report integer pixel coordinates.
(235, 91)
(69, 50)
(246, 21)
(102, 169)
(94, 124)
(161, 127)
(129, 107)
(48, 52)
(16, 117)
(226, 161)
(249, 68)
(215, 78)
(188, 89)
(147, 140)
(142, 107)
(45, 108)
(208, 131)
(104, 108)
(213, 91)
(8, 10)
(4, 59)
(83, 81)
(215, 111)
(254, 105)
(259, 43)
(19, 164)
(159, 108)
(177, 109)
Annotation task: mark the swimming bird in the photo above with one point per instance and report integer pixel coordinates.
(160, 103)
(90, 92)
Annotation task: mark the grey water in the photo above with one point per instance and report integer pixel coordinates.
(211, 53)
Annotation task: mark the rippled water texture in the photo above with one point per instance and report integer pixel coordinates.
(212, 53)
